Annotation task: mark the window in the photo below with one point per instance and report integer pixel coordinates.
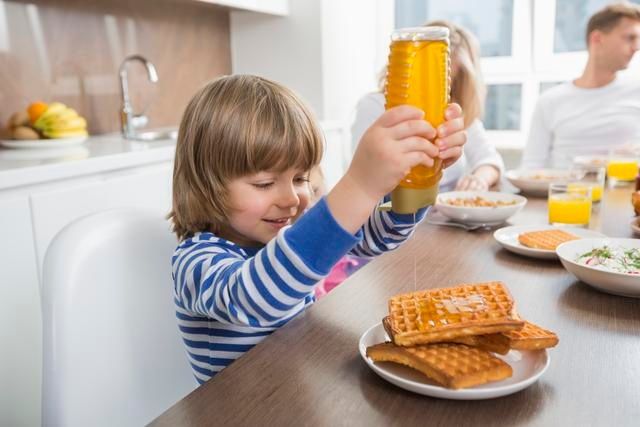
(490, 20)
(571, 18)
(502, 108)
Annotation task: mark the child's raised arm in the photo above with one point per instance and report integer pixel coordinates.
(399, 140)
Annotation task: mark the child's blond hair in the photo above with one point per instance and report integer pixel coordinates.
(232, 127)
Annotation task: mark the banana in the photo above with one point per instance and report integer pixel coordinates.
(66, 114)
(53, 109)
(75, 122)
(60, 121)
(65, 133)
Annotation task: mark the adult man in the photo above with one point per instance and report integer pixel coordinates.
(599, 109)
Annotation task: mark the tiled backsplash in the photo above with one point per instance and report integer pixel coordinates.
(70, 51)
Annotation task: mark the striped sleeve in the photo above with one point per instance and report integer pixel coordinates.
(215, 280)
(385, 231)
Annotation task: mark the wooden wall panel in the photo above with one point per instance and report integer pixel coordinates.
(70, 51)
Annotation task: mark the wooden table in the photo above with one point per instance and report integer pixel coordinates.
(310, 372)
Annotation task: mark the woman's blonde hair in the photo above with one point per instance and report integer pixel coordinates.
(232, 127)
(467, 84)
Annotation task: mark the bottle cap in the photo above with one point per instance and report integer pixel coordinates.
(420, 33)
(408, 200)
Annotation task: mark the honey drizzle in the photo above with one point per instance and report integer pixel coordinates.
(447, 310)
(415, 274)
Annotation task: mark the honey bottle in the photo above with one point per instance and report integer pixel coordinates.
(418, 74)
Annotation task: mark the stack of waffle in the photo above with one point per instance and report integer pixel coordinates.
(449, 334)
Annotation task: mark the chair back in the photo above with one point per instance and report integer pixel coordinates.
(112, 352)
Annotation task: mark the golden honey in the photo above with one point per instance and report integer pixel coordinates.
(446, 311)
(418, 74)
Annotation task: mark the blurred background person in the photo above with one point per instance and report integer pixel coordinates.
(480, 166)
(597, 110)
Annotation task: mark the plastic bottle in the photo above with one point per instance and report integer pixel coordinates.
(418, 74)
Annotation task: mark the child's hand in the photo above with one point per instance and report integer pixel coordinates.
(396, 142)
(451, 135)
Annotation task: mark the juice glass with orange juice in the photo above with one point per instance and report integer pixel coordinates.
(569, 204)
(592, 177)
(418, 74)
(622, 166)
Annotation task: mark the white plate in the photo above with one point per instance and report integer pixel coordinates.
(479, 215)
(43, 143)
(508, 238)
(536, 181)
(612, 282)
(527, 366)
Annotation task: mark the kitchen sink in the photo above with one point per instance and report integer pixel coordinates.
(155, 135)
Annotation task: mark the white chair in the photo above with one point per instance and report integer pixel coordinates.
(112, 351)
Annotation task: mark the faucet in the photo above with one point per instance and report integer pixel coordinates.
(130, 120)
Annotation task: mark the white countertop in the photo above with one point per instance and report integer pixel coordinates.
(26, 166)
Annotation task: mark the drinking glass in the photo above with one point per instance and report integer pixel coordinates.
(569, 204)
(622, 166)
(592, 177)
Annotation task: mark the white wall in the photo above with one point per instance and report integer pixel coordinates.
(285, 49)
(328, 51)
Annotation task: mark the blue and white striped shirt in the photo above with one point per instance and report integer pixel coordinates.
(229, 298)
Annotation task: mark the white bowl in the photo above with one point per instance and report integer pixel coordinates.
(593, 161)
(613, 282)
(536, 181)
(479, 215)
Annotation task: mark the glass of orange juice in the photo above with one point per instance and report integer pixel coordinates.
(592, 177)
(622, 166)
(570, 204)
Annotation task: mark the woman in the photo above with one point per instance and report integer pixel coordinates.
(480, 166)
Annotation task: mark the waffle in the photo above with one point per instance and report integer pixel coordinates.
(495, 343)
(451, 365)
(531, 337)
(545, 239)
(438, 315)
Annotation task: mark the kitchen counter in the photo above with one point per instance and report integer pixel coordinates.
(24, 166)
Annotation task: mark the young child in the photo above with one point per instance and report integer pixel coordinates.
(248, 259)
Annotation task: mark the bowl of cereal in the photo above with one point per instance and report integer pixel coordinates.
(611, 265)
(479, 207)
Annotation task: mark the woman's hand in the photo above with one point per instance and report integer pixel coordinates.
(451, 135)
(483, 178)
(472, 183)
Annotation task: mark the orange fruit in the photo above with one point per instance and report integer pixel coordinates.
(36, 109)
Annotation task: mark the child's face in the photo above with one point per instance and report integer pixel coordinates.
(263, 203)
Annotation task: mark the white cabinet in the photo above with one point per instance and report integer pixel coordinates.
(52, 209)
(31, 217)
(20, 317)
(269, 7)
